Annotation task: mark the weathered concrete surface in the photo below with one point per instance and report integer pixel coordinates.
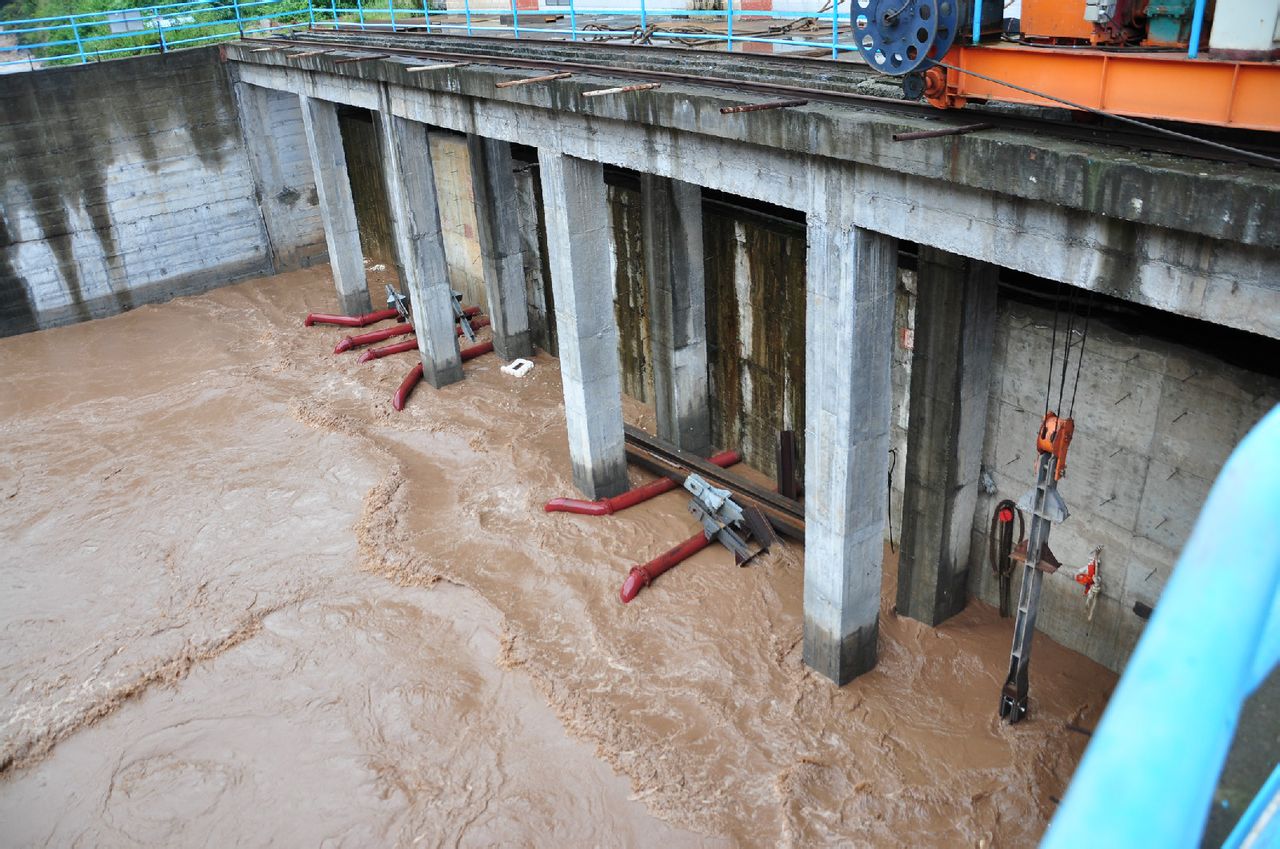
(337, 208)
(631, 306)
(366, 173)
(498, 232)
(1155, 420)
(574, 207)
(950, 382)
(456, 197)
(123, 183)
(271, 122)
(674, 262)
(1102, 219)
(755, 276)
(533, 241)
(415, 222)
(849, 299)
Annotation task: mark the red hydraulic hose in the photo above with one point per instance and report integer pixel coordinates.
(351, 320)
(415, 374)
(608, 506)
(401, 347)
(640, 576)
(349, 342)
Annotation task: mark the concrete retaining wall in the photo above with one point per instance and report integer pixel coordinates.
(124, 183)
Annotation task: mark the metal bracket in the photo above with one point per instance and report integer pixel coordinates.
(734, 526)
(400, 303)
(461, 317)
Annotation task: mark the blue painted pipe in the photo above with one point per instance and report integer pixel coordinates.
(1255, 823)
(1197, 23)
(1149, 774)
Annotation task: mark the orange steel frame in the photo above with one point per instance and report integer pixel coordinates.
(1150, 85)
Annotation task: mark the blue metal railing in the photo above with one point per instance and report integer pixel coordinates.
(221, 21)
(91, 36)
(1149, 774)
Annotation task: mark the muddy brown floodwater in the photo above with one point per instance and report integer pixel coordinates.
(243, 601)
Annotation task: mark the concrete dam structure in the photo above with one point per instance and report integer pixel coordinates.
(708, 259)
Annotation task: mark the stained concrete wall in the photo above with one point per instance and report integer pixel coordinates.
(755, 277)
(1155, 420)
(124, 183)
(533, 243)
(458, 215)
(368, 187)
(631, 291)
(271, 124)
(904, 321)
(754, 271)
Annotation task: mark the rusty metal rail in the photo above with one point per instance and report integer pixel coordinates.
(786, 515)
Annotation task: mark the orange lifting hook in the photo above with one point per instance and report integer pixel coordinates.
(1055, 438)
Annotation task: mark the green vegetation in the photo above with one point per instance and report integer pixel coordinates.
(151, 29)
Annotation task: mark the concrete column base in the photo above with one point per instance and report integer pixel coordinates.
(840, 658)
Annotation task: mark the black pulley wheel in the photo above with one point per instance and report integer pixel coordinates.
(913, 85)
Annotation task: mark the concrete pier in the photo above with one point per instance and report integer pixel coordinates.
(573, 195)
(673, 255)
(849, 290)
(415, 224)
(337, 208)
(1057, 208)
(950, 382)
(498, 232)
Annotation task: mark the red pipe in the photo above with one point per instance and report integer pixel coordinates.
(608, 506)
(366, 319)
(640, 576)
(415, 374)
(401, 347)
(349, 342)
(350, 320)
(388, 350)
(475, 350)
(406, 386)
